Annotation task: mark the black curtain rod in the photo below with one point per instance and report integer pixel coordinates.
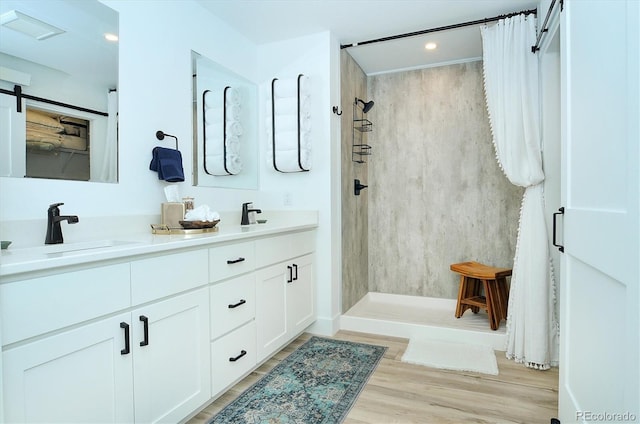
(442, 28)
(544, 25)
(17, 91)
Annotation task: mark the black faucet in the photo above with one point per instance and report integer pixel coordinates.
(245, 213)
(54, 231)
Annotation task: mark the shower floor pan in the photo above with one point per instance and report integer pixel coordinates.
(433, 318)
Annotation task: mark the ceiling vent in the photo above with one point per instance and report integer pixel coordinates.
(27, 25)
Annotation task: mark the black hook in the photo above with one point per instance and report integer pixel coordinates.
(335, 110)
(160, 135)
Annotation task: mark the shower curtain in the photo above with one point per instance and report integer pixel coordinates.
(108, 169)
(511, 90)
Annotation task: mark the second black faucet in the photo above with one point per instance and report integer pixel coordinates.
(245, 213)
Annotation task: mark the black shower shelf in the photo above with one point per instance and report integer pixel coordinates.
(362, 149)
(359, 149)
(363, 125)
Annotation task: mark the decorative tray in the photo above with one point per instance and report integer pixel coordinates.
(166, 230)
(190, 225)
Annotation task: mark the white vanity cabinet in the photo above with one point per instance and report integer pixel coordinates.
(84, 346)
(171, 372)
(285, 292)
(149, 336)
(170, 341)
(233, 334)
(76, 375)
(267, 302)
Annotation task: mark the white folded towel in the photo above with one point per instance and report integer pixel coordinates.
(233, 145)
(305, 123)
(214, 130)
(286, 123)
(286, 140)
(211, 100)
(201, 213)
(234, 128)
(232, 96)
(285, 87)
(232, 112)
(305, 158)
(289, 105)
(213, 115)
(287, 160)
(216, 164)
(286, 105)
(234, 164)
(214, 145)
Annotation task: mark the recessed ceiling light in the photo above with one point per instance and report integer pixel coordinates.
(27, 25)
(430, 46)
(110, 37)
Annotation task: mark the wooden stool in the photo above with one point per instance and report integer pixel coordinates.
(474, 277)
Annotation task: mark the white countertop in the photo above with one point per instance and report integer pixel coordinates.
(125, 245)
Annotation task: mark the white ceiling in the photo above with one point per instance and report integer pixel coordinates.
(353, 21)
(81, 51)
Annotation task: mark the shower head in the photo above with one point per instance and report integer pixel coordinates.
(366, 107)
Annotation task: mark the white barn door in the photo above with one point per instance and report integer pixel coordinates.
(600, 300)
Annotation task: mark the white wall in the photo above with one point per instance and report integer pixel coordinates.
(156, 39)
(311, 56)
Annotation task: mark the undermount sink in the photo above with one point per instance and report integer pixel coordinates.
(77, 247)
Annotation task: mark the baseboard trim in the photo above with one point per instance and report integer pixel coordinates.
(324, 326)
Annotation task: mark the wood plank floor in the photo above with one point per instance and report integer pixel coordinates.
(404, 393)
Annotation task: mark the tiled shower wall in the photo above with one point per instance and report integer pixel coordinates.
(436, 194)
(353, 83)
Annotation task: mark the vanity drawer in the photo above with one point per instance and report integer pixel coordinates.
(167, 275)
(281, 248)
(232, 304)
(231, 260)
(39, 305)
(226, 371)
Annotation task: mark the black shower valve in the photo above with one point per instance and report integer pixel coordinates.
(357, 187)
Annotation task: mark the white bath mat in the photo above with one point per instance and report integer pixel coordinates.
(451, 356)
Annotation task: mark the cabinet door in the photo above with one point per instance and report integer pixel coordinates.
(301, 302)
(172, 373)
(271, 307)
(79, 376)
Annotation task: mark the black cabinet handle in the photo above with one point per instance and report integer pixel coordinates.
(555, 215)
(242, 353)
(242, 302)
(235, 261)
(290, 277)
(127, 348)
(295, 267)
(145, 320)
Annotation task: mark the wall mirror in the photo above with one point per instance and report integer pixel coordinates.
(58, 90)
(225, 121)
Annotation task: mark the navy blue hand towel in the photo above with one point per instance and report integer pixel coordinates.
(168, 164)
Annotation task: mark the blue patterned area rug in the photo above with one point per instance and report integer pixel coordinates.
(318, 383)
